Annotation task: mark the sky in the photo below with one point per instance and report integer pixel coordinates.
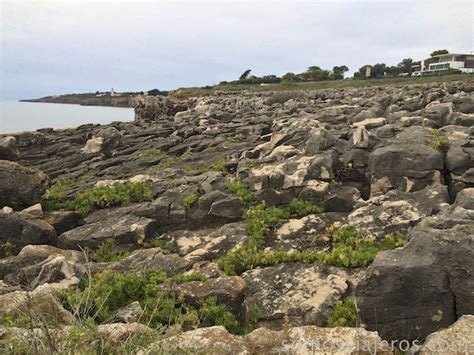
(51, 48)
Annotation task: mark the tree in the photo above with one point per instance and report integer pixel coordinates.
(245, 74)
(405, 65)
(289, 77)
(439, 51)
(338, 72)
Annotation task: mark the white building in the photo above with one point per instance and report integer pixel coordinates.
(462, 62)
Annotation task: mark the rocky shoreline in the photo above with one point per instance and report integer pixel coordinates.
(268, 220)
(102, 100)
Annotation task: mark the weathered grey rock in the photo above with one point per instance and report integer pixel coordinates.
(93, 146)
(370, 123)
(130, 313)
(409, 167)
(21, 231)
(412, 292)
(21, 187)
(36, 265)
(126, 230)
(231, 208)
(62, 221)
(9, 148)
(439, 113)
(457, 339)
(142, 260)
(304, 340)
(35, 211)
(41, 305)
(307, 292)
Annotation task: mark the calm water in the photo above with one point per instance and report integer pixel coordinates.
(28, 116)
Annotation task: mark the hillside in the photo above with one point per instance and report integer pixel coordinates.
(246, 221)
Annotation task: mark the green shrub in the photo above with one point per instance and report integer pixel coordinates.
(191, 199)
(57, 194)
(219, 165)
(165, 246)
(259, 219)
(349, 249)
(343, 314)
(106, 252)
(169, 162)
(107, 196)
(302, 208)
(211, 313)
(107, 291)
(438, 141)
(241, 189)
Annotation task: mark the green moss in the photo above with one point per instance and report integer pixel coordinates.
(106, 253)
(241, 189)
(343, 314)
(191, 199)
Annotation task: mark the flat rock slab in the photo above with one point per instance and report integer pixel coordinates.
(307, 292)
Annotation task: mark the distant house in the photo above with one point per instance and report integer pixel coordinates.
(462, 62)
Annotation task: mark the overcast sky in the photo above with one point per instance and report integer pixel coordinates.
(64, 47)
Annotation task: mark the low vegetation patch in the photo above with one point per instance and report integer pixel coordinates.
(191, 199)
(98, 296)
(343, 314)
(153, 153)
(438, 141)
(219, 165)
(99, 196)
(349, 249)
(106, 253)
(241, 189)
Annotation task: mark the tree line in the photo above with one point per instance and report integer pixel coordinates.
(315, 73)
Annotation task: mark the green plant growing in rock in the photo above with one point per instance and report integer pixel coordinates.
(8, 248)
(165, 246)
(438, 140)
(241, 189)
(219, 166)
(57, 194)
(343, 314)
(349, 249)
(106, 252)
(107, 291)
(302, 208)
(107, 196)
(153, 153)
(190, 200)
(169, 162)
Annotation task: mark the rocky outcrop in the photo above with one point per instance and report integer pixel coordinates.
(395, 163)
(21, 186)
(298, 340)
(411, 292)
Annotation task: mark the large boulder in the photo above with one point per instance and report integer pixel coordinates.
(20, 186)
(19, 230)
(128, 230)
(8, 148)
(411, 292)
(36, 265)
(408, 167)
(305, 293)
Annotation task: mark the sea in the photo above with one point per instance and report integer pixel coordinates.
(18, 116)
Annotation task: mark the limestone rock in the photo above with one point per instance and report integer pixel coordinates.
(20, 186)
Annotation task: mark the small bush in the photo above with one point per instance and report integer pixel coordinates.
(343, 314)
(219, 165)
(107, 196)
(106, 253)
(438, 141)
(349, 249)
(57, 194)
(302, 208)
(165, 246)
(241, 189)
(191, 199)
(259, 220)
(211, 313)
